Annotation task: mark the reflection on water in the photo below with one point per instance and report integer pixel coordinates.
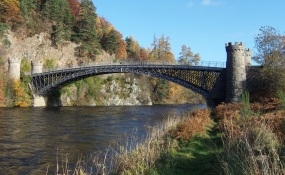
(30, 137)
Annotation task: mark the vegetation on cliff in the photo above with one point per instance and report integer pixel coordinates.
(72, 21)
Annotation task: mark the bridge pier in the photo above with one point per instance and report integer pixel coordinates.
(38, 101)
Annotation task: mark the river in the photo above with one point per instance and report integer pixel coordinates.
(32, 138)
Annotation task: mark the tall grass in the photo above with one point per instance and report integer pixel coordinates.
(137, 155)
(250, 144)
(281, 96)
(245, 109)
(142, 156)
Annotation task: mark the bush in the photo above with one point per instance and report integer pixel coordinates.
(196, 123)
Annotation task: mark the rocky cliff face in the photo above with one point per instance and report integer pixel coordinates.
(112, 93)
(38, 48)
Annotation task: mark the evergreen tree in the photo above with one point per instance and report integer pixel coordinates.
(26, 7)
(133, 48)
(57, 11)
(85, 30)
(111, 41)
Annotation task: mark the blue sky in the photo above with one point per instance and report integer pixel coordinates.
(203, 25)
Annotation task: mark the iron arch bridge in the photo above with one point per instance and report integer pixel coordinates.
(200, 79)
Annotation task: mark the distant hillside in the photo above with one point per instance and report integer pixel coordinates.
(63, 33)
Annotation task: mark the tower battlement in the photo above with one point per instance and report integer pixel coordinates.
(37, 67)
(14, 68)
(235, 46)
(247, 57)
(14, 60)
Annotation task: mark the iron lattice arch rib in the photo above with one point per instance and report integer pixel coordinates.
(199, 79)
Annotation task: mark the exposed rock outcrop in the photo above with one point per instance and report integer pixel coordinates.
(39, 48)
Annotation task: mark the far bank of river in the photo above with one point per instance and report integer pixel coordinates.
(30, 137)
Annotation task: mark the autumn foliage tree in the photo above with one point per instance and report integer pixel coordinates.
(74, 6)
(21, 98)
(122, 50)
(143, 55)
(161, 50)
(270, 55)
(188, 57)
(10, 11)
(2, 96)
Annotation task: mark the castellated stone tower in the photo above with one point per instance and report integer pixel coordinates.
(37, 67)
(247, 57)
(14, 68)
(236, 71)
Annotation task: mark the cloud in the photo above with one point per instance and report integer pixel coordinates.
(210, 2)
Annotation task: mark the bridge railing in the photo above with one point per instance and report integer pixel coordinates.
(141, 63)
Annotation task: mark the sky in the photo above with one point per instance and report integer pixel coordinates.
(203, 25)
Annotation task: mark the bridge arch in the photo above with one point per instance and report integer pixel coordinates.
(197, 78)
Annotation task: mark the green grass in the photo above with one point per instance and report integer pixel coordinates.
(196, 157)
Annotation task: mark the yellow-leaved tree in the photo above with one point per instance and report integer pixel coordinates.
(21, 98)
(2, 96)
(10, 11)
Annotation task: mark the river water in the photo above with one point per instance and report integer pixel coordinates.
(32, 138)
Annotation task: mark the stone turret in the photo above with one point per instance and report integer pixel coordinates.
(236, 72)
(37, 67)
(14, 68)
(247, 57)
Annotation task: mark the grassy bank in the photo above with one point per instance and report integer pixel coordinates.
(231, 139)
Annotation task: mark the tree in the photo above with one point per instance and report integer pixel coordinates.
(133, 48)
(110, 41)
(2, 76)
(21, 98)
(188, 57)
(122, 49)
(270, 47)
(144, 55)
(74, 6)
(102, 27)
(270, 78)
(161, 89)
(26, 7)
(10, 11)
(57, 11)
(85, 31)
(2, 96)
(161, 50)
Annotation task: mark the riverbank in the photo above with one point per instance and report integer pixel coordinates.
(231, 139)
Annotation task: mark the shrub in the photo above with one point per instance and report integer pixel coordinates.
(196, 123)
(251, 144)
